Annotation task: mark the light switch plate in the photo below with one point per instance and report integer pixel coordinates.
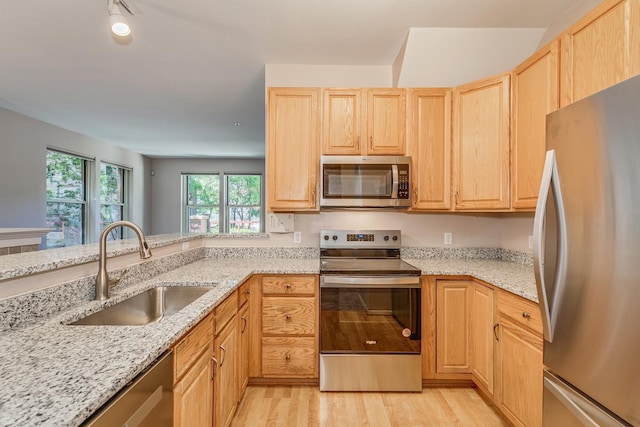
(297, 237)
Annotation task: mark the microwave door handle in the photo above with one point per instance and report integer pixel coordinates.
(394, 189)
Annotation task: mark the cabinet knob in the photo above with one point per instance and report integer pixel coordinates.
(287, 357)
(288, 285)
(526, 315)
(288, 317)
(247, 292)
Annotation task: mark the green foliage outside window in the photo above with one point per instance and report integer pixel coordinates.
(65, 190)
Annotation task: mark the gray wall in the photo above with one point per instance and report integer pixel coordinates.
(166, 205)
(24, 143)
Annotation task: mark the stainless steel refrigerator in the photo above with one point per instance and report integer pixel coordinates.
(587, 260)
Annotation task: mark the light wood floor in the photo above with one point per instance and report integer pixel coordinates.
(299, 406)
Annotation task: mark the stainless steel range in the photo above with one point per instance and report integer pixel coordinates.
(369, 313)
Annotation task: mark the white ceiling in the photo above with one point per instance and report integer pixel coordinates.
(194, 68)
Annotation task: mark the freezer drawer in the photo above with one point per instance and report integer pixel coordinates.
(564, 406)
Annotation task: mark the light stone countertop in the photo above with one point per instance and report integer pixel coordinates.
(513, 277)
(53, 374)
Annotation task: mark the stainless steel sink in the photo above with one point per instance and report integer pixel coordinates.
(147, 307)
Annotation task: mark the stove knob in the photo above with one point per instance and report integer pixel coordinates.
(386, 238)
(395, 238)
(335, 237)
(326, 237)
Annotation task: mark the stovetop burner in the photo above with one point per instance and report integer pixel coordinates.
(363, 252)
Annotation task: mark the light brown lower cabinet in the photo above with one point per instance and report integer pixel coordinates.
(452, 326)
(193, 377)
(481, 346)
(492, 337)
(519, 346)
(193, 395)
(244, 350)
(289, 327)
(225, 397)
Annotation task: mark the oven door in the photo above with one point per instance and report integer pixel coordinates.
(370, 315)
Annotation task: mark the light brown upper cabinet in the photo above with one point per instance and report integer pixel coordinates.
(364, 121)
(535, 94)
(481, 144)
(342, 131)
(293, 145)
(601, 49)
(429, 146)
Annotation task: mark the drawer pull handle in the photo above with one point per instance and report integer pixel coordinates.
(526, 315)
(495, 334)
(244, 324)
(287, 357)
(288, 317)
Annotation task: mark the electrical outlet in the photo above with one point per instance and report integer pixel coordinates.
(448, 238)
(297, 237)
(530, 242)
(185, 246)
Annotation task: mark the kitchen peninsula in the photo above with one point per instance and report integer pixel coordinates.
(52, 373)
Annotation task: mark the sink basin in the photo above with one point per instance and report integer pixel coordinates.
(148, 307)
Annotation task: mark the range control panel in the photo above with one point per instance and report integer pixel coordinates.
(360, 239)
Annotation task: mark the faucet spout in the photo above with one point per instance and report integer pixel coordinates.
(102, 278)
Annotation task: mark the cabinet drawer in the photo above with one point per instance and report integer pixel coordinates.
(187, 351)
(275, 285)
(289, 357)
(521, 311)
(288, 316)
(225, 311)
(243, 293)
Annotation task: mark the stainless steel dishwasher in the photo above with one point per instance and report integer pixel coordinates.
(145, 402)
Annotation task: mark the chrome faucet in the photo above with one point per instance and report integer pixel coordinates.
(102, 278)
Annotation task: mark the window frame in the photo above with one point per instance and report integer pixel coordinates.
(84, 203)
(227, 206)
(222, 206)
(124, 204)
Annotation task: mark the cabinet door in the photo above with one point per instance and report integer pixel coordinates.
(482, 320)
(226, 376)
(519, 374)
(193, 395)
(342, 115)
(601, 49)
(535, 94)
(452, 326)
(430, 147)
(244, 326)
(386, 121)
(481, 144)
(293, 145)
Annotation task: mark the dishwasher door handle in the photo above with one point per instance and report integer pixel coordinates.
(145, 409)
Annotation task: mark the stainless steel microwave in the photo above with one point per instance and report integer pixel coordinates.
(365, 182)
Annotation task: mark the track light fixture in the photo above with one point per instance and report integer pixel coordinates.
(119, 25)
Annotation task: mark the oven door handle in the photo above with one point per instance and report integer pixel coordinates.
(369, 282)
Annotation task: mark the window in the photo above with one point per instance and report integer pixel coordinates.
(202, 207)
(235, 209)
(66, 188)
(114, 184)
(243, 203)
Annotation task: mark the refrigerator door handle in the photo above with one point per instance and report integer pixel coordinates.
(586, 412)
(548, 302)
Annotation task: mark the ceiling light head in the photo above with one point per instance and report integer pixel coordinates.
(119, 25)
